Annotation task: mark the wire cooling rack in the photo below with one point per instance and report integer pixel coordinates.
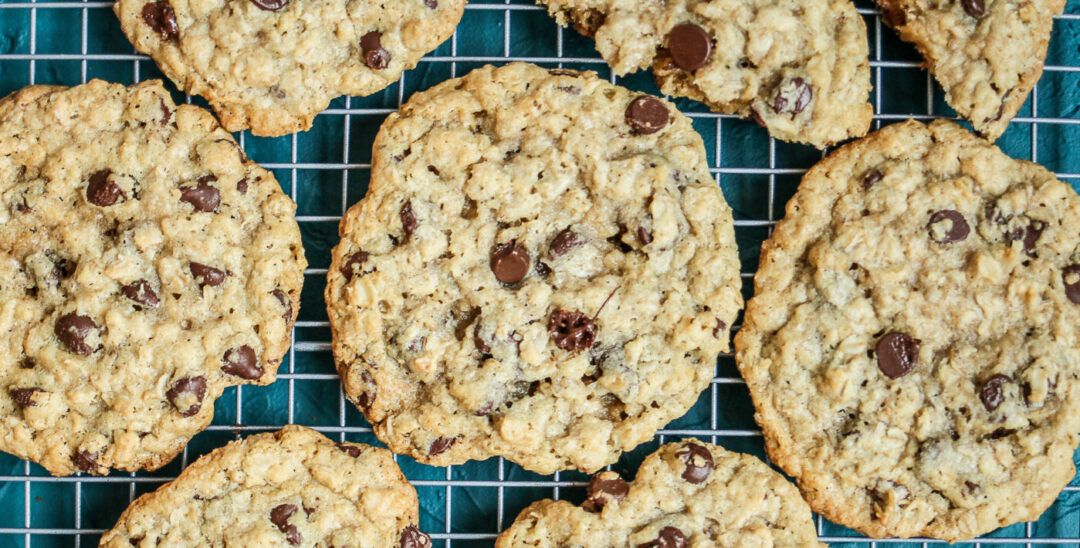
(326, 170)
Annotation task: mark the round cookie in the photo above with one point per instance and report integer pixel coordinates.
(272, 65)
(800, 68)
(293, 487)
(912, 345)
(147, 266)
(542, 269)
(688, 493)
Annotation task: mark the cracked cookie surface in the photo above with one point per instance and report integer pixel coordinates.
(293, 487)
(912, 347)
(800, 68)
(688, 493)
(272, 65)
(986, 54)
(147, 265)
(543, 269)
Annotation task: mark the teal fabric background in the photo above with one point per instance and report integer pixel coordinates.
(326, 170)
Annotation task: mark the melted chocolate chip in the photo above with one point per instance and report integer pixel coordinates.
(721, 325)
(241, 362)
(1071, 276)
(354, 265)
(955, 227)
(206, 275)
(187, 395)
(160, 17)
(699, 462)
(440, 446)
(85, 460)
(375, 56)
(203, 197)
(510, 262)
(279, 516)
(368, 391)
(605, 488)
(564, 241)
(141, 292)
(1032, 233)
(991, 392)
(690, 46)
(286, 303)
(102, 191)
(24, 397)
(974, 8)
(796, 100)
(242, 186)
(73, 330)
(270, 5)
(351, 450)
(647, 115)
(872, 178)
(461, 328)
(669, 537)
(644, 235)
(897, 354)
(412, 537)
(408, 219)
(572, 330)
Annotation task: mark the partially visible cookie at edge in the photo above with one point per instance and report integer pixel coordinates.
(688, 493)
(800, 68)
(986, 54)
(272, 65)
(543, 269)
(147, 265)
(912, 348)
(293, 487)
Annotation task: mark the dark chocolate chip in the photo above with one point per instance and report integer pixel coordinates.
(605, 488)
(203, 197)
(796, 101)
(28, 363)
(669, 537)
(206, 275)
(242, 186)
(644, 235)
(897, 354)
(279, 516)
(270, 5)
(699, 462)
(991, 392)
(241, 362)
(572, 330)
(24, 397)
(461, 328)
(1071, 276)
(543, 269)
(690, 46)
(351, 450)
(564, 241)
(354, 265)
(721, 325)
(412, 537)
(1032, 233)
(408, 219)
(102, 191)
(375, 56)
(187, 395)
(440, 445)
(368, 392)
(510, 262)
(974, 8)
(166, 112)
(479, 341)
(872, 178)
(85, 460)
(286, 303)
(162, 19)
(73, 330)
(141, 292)
(647, 115)
(957, 228)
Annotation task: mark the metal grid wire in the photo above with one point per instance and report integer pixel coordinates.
(326, 170)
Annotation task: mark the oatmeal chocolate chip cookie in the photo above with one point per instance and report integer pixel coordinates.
(800, 68)
(293, 487)
(146, 266)
(986, 54)
(912, 346)
(689, 493)
(272, 65)
(542, 269)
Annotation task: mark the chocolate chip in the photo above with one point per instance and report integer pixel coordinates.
(241, 362)
(572, 330)
(1032, 233)
(699, 462)
(432, 4)
(991, 392)
(280, 516)
(187, 395)
(202, 196)
(510, 262)
(141, 292)
(795, 100)
(543, 269)
(564, 241)
(354, 265)
(605, 488)
(412, 537)
(28, 363)
(690, 46)
(270, 5)
(721, 325)
(948, 226)
(461, 328)
(408, 219)
(85, 460)
(647, 115)
(162, 19)
(102, 191)
(872, 178)
(24, 397)
(1071, 276)
(351, 450)
(206, 275)
(669, 537)
(368, 391)
(644, 236)
(897, 354)
(166, 112)
(375, 56)
(440, 445)
(286, 303)
(242, 186)
(974, 8)
(73, 330)
(479, 341)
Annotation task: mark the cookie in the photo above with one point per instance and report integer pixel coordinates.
(147, 265)
(293, 487)
(688, 493)
(986, 54)
(912, 346)
(272, 65)
(542, 269)
(800, 68)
